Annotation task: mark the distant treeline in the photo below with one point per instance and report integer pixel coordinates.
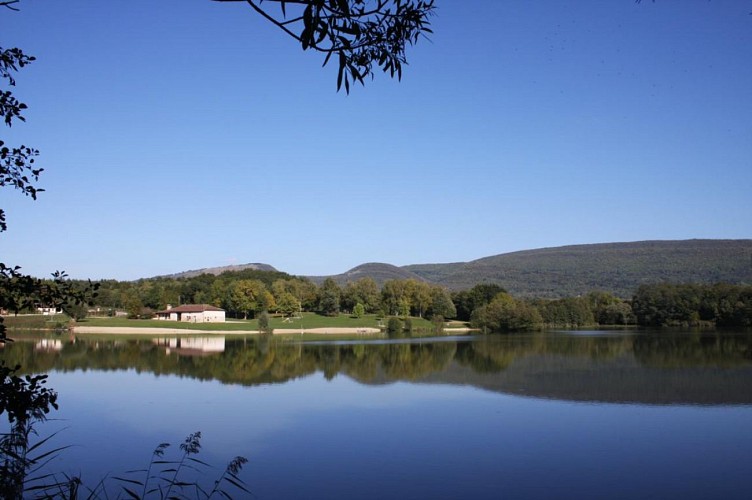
(691, 304)
(657, 305)
(488, 307)
(506, 313)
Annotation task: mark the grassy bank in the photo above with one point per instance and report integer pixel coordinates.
(36, 322)
(307, 321)
(153, 323)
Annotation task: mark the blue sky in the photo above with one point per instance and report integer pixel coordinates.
(184, 134)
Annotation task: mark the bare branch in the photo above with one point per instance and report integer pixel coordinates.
(9, 4)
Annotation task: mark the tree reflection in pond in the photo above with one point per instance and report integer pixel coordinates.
(316, 417)
(545, 364)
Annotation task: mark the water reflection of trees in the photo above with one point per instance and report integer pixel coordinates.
(695, 350)
(266, 360)
(496, 353)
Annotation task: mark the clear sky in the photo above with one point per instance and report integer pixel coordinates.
(183, 134)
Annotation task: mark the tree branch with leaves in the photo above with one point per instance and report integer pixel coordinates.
(361, 34)
(18, 171)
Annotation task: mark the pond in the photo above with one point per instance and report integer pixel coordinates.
(560, 414)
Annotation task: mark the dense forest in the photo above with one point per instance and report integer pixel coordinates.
(691, 304)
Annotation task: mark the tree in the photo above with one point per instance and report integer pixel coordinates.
(364, 291)
(249, 296)
(393, 294)
(420, 296)
(505, 313)
(220, 294)
(359, 310)
(133, 304)
(441, 303)
(394, 327)
(360, 33)
(18, 171)
(329, 297)
(610, 310)
(467, 301)
(309, 295)
(77, 312)
(16, 166)
(287, 303)
(263, 322)
(617, 314)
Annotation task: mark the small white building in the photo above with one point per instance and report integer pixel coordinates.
(193, 313)
(49, 311)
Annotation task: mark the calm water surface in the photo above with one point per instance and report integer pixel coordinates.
(563, 414)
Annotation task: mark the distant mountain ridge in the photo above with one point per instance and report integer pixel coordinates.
(256, 266)
(615, 267)
(565, 271)
(378, 271)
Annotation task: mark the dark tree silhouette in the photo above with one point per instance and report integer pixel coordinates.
(17, 170)
(360, 33)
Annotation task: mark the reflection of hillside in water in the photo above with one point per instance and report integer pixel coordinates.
(646, 368)
(684, 368)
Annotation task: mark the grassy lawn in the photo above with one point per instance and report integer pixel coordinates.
(232, 325)
(312, 320)
(308, 321)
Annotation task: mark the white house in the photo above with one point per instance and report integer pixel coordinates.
(48, 311)
(193, 313)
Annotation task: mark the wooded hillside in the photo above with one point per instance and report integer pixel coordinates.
(380, 273)
(615, 267)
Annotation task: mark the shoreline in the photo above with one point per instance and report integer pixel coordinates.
(131, 330)
(135, 330)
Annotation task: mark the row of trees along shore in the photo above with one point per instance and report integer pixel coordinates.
(488, 307)
(245, 294)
